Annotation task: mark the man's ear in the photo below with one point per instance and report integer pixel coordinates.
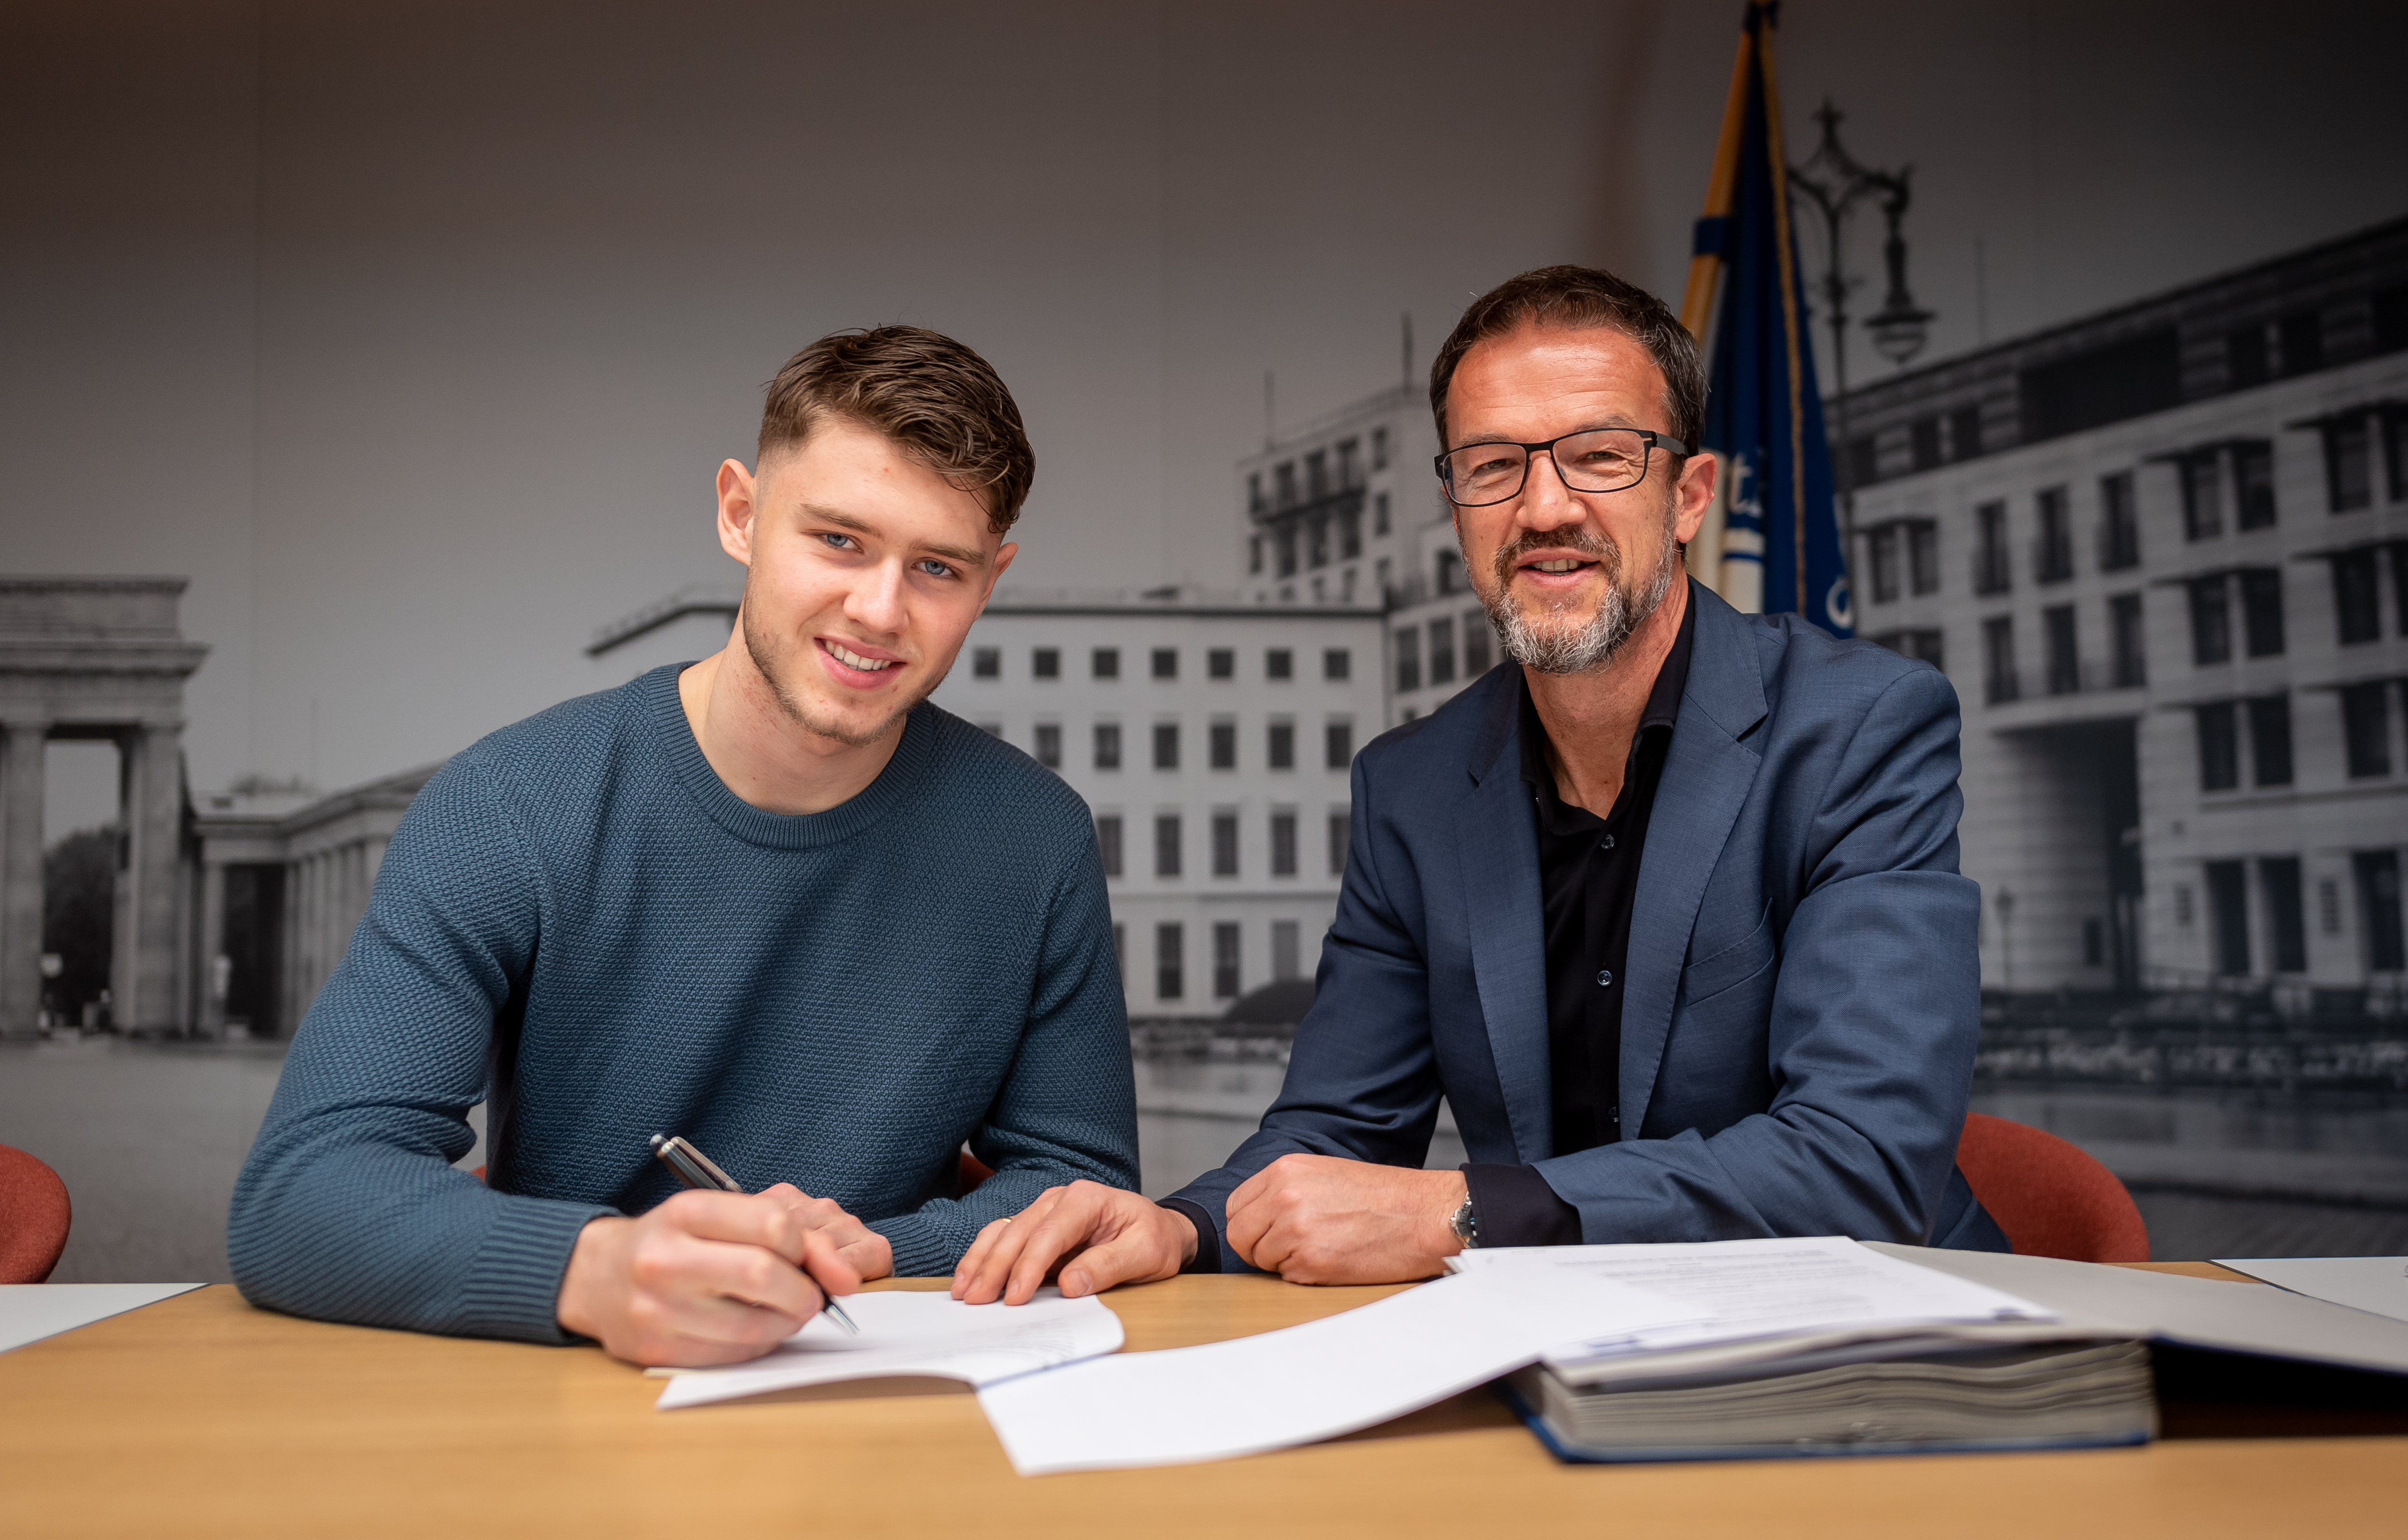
(995, 574)
(1693, 493)
(739, 512)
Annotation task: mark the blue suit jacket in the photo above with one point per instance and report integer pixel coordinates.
(1797, 1041)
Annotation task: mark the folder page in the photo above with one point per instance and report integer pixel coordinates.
(31, 1311)
(2378, 1284)
(1306, 1382)
(905, 1332)
(2233, 1318)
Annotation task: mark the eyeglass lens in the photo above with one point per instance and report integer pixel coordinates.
(1604, 460)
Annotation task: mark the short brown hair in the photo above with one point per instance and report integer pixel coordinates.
(943, 404)
(1582, 296)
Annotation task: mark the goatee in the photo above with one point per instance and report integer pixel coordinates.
(1556, 641)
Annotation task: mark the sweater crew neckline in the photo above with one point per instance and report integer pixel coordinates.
(903, 774)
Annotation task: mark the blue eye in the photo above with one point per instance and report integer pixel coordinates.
(838, 541)
(935, 568)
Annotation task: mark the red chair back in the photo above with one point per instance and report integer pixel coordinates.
(2050, 1198)
(34, 1217)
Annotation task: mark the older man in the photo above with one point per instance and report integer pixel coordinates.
(1667, 909)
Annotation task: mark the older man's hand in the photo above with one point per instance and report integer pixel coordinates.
(1316, 1219)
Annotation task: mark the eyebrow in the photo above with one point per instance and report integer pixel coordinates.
(955, 554)
(1585, 427)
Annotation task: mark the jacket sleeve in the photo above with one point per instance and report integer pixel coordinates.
(348, 1207)
(1362, 1078)
(1875, 1013)
(1067, 1110)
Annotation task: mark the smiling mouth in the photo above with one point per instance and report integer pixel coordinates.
(1557, 565)
(850, 659)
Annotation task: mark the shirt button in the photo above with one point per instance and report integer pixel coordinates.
(1608, 845)
(1605, 976)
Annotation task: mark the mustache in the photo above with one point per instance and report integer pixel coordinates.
(1588, 542)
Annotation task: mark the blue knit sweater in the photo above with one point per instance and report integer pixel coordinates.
(580, 924)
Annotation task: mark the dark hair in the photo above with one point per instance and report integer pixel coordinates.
(941, 401)
(1582, 296)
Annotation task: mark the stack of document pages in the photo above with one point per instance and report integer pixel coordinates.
(1838, 1401)
(1821, 1347)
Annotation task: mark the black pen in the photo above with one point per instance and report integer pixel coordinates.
(696, 1169)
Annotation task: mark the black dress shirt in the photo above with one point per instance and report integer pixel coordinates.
(1588, 879)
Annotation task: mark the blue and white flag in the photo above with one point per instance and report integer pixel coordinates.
(1778, 544)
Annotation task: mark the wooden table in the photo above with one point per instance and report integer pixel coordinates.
(201, 1416)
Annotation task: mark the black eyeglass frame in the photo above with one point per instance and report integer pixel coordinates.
(1650, 441)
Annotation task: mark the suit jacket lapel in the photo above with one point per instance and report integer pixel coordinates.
(1496, 847)
(1707, 774)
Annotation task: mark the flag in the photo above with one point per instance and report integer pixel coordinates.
(1772, 541)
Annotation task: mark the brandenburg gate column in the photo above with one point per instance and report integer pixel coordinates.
(209, 1006)
(22, 744)
(154, 806)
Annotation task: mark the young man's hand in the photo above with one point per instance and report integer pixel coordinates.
(1317, 1219)
(714, 1277)
(1094, 1236)
(860, 1248)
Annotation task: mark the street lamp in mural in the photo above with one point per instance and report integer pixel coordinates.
(2007, 934)
(1832, 183)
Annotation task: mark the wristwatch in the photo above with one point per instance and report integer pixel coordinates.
(1466, 1224)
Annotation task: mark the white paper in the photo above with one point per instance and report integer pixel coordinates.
(1303, 1383)
(31, 1311)
(2235, 1317)
(909, 1332)
(1736, 1291)
(2379, 1284)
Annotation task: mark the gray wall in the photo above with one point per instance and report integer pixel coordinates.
(413, 333)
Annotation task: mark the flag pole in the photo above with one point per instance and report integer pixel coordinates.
(1706, 264)
(1706, 260)
(1787, 254)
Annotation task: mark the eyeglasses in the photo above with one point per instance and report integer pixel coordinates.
(1597, 460)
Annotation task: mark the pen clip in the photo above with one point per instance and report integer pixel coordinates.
(691, 1166)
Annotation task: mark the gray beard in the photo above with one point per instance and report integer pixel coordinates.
(770, 659)
(1566, 647)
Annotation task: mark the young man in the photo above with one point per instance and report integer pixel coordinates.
(1668, 909)
(772, 900)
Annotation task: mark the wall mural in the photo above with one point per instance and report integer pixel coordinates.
(2146, 508)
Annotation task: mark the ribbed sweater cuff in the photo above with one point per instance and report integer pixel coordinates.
(921, 1250)
(513, 1285)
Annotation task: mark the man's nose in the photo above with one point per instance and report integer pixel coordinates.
(1546, 503)
(875, 603)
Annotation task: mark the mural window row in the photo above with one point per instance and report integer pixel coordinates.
(2258, 729)
(2064, 671)
(1221, 743)
(1228, 947)
(1284, 830)
(1220, 664)
(2237, 473)
(2278, 924)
